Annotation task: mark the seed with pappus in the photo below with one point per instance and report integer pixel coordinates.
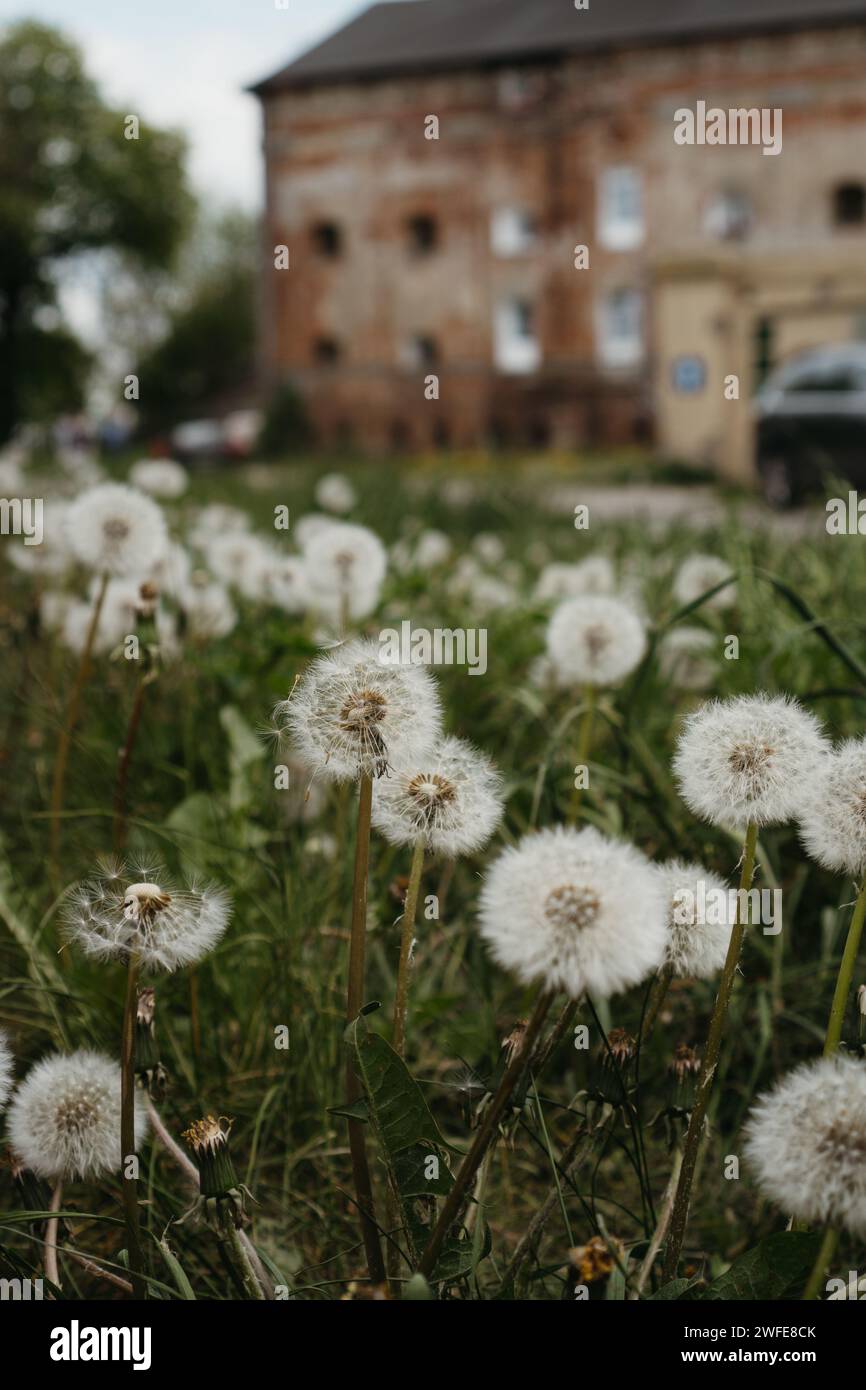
(64, 1120)
(806, 1143)
(754, 758)
(699, 922)
(574, 911)
(116, 530)
(353, 714)
(833, 820)
(452, 800)
(136, 911)
(595, 641)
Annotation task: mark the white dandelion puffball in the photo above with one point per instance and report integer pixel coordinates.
(699, 573)
(139, 911)
(309, 526)
(432, 549)
(685, 658)
(805, 1141)
(288, 586)
(64, 1120)
(700, 919)
(575, 911)
(5, 1070)
(753, 758)
(335, 493)
(52, 556)
(242, 561)
(160, 477)
(452, 800)
(833, 820)
(594, 575)
(489, 548)
(594, 641)
(116, 530)
(171, 574)
(216, 519)
(354, 714)
(208, 610)
(342, 558)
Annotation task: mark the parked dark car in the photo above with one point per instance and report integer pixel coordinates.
(811, 423)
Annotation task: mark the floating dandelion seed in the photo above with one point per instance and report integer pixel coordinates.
(64, 1119)
(833, 820)
(575, 911)
(452, 801)
(353, 714)
(699, 923)
(116, 530)
(5, 1070)
(699, 573)
(594, 641)
(117, 916)
(754, 759)
(806, 1143)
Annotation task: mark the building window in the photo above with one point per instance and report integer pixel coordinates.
(423, 234)
(327, 239)
(421, 351)
(513, 231)
(326, 352)
(620, 209)
(515, 345)
(620, 328)
(849, 205)
(728, 216)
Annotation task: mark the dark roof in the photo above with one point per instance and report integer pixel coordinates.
(418, 35)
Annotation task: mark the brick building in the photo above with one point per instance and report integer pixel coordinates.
(414, 257)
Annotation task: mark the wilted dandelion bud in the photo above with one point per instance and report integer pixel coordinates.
(222, 1196)
(697, 575)
(621, 1048)
(833, 818)
(453, 801)
(574, 911)
(353, 714)
(116, 530)
(591, 1262)
(699, 920)
(112, 918)
(147, 1065)
(64, 1120)
(5, 1070)
(806, 1142)
(686, 1062)
(754, 758)
(594, 641)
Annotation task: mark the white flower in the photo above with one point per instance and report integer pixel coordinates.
(683, 658)
(306, 528)
(594, 575)
(452, 799)
(433, 548)
(170, 575)
(209, 611)
(127, 911)
(754, 758)
(489, 548)
(160, 477)
(335, 493)
(575, 911)
(64, 1120)
(242, 561)
(216, 519)
(805, 1141)
(353, 714)
(699, 919)
(833, 819)
(52, 556)
(345, 567)
(288, 585)
(699, 573)
(594, 641)
(115, 530)
(5, 1070)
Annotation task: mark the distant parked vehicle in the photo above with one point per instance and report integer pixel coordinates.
(811, 423)
(208, 441)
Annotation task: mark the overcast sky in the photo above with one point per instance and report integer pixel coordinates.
(185, 63)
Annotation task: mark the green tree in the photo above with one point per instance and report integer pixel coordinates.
(71, 182)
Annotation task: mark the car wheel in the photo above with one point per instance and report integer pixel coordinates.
(777, 482)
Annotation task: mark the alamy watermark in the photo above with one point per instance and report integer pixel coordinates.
(22, 516)
(723, 907)
(736, 126)
(421, 646)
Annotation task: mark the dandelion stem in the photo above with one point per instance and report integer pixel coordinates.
(709, 1064)
(661, 1229)
(584, 740)
(129, 1184)
(120, 822)
(72, 712)
(243, 1264)
(822, 1263)
(410, 908)
(658, 993)
(846, 974)
(354, 1004)
(484, 1136)
(51, 1269)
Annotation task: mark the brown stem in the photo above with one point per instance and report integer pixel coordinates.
(483, 1137)
(129, 1184)
(660, 986)
(51, 1270)
(554, 1037)
(120, 823)
(410, 908)
(72, 712)
(354, 1004)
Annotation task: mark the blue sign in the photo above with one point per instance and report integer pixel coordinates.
(689, 374)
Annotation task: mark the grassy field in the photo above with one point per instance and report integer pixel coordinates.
(590, 1144)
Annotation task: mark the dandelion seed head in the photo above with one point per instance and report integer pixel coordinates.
(699, 573)
(453, 800)
(335, 493)
(753, 758)
(595, 641)
(64, 1119)
(288, 584)
(806, 1143)
(160, 477)
(209, 611)
(574, 911)
(833, 820)
(697, 942)
(594, 575)
(342, 558)
(685, 658)
(116, 530)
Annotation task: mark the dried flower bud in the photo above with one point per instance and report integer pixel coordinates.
(621, 1048)
(592, 1261)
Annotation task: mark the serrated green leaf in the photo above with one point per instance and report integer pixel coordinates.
(778, 1267)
